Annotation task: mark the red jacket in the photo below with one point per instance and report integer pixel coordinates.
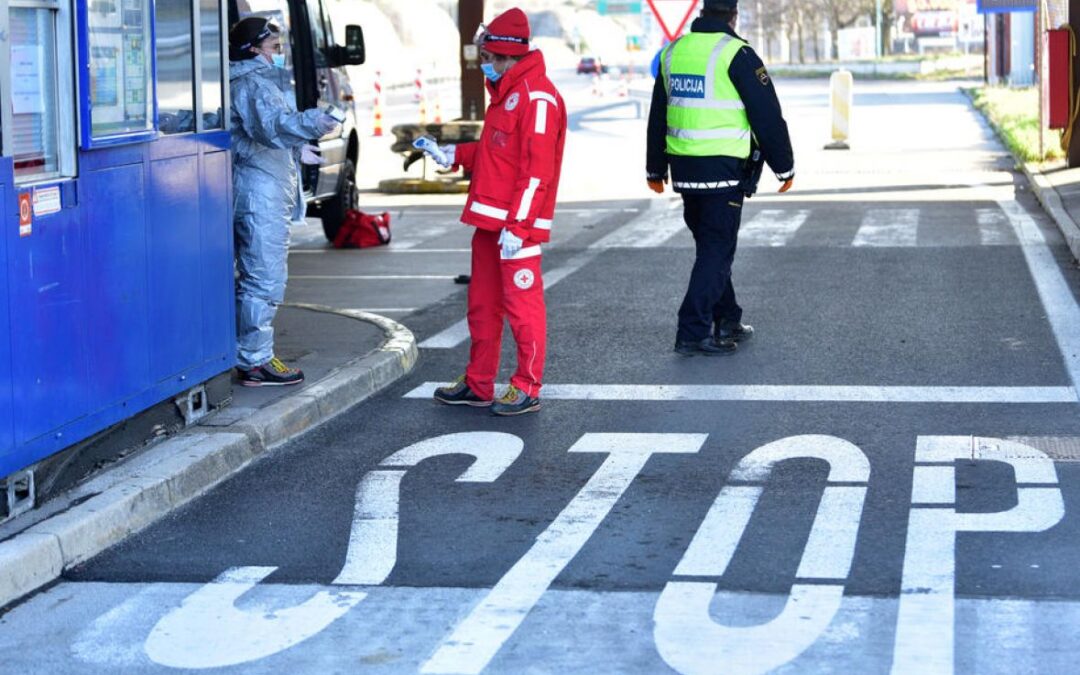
(516, 163)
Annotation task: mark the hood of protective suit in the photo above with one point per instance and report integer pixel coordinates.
(241, 68)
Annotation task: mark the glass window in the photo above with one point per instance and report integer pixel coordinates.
(175, 66)
(212, 63)
(34, 134)
(121, 94)
(318, 33)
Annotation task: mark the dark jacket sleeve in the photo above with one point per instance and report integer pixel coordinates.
(756, 90)
(656, 162)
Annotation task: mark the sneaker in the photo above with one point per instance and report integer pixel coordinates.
(273, 373)
(739, 332)
(458, 393)
(710, 346)
(514, 402)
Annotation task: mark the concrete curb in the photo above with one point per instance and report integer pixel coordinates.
(1051, 203)
(130, 497)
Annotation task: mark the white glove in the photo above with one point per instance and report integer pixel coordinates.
(450, 152)
(511, 243)
(443, 155)
(309, 154)
(326, 124)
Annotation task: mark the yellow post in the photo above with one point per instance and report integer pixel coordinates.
(841, 85)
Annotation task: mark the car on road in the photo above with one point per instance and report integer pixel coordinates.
(590, 65)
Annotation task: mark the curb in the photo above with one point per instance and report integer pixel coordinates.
(130, 497)
(1051, 203)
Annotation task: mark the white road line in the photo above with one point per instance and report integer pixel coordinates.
(772, 227)
(478, 638)
(371, 251)
(888, 227)
(994, 229)
(370, 277)
(642, 228)
(793, 393)
(1057, 299)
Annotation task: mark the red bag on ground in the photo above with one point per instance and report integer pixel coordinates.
(362, 230)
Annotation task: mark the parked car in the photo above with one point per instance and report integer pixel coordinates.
(590, 65)
(315, 66)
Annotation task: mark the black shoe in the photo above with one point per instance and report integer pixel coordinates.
(514, 402)
(458, 393)
(739, 332)
(710, 346)
(273, 373)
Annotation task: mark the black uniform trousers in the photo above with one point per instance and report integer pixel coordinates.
(714, 219)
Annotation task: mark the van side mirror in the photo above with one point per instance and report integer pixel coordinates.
(353, 54)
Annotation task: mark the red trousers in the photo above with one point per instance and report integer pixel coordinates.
(511, 288)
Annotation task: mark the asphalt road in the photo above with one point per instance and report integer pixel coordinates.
(884, 479)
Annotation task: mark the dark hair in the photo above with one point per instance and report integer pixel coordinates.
(725, 14)
(247, 33)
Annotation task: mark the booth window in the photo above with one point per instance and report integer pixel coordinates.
(120, 78)
(35, 133)
(175, 66)
(210, 40)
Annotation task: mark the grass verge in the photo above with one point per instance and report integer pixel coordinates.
(1014, 115)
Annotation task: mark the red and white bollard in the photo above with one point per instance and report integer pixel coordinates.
(376, 114)
(420, 97)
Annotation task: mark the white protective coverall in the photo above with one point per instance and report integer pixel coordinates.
(267, 132)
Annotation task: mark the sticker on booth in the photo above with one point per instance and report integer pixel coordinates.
(26, 215)
(46, 201)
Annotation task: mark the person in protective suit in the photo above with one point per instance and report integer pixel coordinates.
(268, 135)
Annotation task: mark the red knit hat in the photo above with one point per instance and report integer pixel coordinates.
(508, 34)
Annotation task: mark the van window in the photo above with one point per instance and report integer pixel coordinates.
(35, 133)
(318, 33)
(175, 66)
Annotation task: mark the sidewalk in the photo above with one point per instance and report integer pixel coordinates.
(347, 356)
(1058, 190)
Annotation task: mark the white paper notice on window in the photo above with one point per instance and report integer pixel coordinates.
(26, 92)
(46, 201)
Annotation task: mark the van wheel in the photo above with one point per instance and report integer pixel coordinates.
(333, 210)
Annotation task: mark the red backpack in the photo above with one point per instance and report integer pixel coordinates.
(362, 230)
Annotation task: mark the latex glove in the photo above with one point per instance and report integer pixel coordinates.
(787, 185)
(326, 124)
(309, 154)
(443, 156)
(451, 153)
(656, 186)
(510, 242)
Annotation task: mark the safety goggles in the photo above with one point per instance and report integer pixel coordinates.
(483, 36)
(268, 30)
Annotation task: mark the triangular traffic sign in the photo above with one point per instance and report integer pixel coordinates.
(668, 12)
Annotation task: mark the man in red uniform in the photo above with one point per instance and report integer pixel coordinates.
(515, 175)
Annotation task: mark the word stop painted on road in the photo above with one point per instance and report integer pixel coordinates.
(208, 629)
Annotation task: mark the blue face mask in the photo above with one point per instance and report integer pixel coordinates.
(489, 71)
(278, 60)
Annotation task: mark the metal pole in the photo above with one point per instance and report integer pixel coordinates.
(1073, 152)
(877, 28)
(470, 16)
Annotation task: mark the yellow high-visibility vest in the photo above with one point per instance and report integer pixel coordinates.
(705, 115)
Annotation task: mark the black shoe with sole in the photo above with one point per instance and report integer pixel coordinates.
(514, 402)
(710, 346)
(273, 373)
(739, 332)
(459, 393)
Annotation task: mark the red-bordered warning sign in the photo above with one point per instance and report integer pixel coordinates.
(673, 13)
(26, 214)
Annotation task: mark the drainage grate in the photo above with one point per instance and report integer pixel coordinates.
(16, 494)
(1057, 448)
(194, 405)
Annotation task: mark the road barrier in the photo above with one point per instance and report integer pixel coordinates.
(841, 85)
(377, 110)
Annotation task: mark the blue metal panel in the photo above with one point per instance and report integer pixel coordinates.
(47, 295)
(175, 264)
(215, 201)
(9, 223)
(117, 331)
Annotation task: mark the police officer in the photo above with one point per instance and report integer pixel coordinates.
(714, 119)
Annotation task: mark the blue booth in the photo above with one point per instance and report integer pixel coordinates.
(115, 188)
